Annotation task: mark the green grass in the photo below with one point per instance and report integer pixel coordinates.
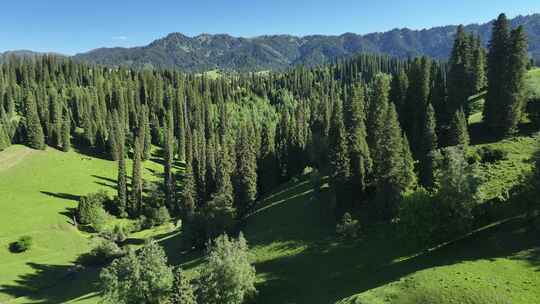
(501, 177)
(533, 83)
(37, 189)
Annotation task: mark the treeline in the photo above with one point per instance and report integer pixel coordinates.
(372, 123)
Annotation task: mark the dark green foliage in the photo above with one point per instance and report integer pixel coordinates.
(429, 145)
(156, 216)
(348, 227)
(340, 164)
(431, 218)
(267, 167)
(136, 199)
(227, 276)
(90, 208)
(104, 253)
(507, 64)
(245, 178)
(24, 243)
(396, 167)
(34, 132)
(142, 277)
(4, 138)
(168, 151)
(515, 81)
(66, 133)
(533, 111)
(183, 292)
(460, 86)
(145, 126)
(360, 159)
(497, 67)
(188, 196)
(378, 108)
(491, 155)
(458, 132)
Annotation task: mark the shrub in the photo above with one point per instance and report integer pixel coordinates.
(23, 244)
(491, 155)
(430, 218)
(155, 217)
(118, 234)
(90, 207)
(417, 216)
(138, 277)
(348, 227)
(533, 110)
(316, 180)
(104, 253)
(228, 276)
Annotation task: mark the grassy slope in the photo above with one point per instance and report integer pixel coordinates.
(36, 191)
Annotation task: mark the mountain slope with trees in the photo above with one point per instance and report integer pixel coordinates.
(278, 52)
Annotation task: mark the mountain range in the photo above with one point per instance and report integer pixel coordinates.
(278, 52)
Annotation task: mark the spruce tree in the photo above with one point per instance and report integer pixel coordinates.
(340, 164)
(429, 145)
(459, 81)
(515, 82)
(497, 72)
(246, 171)
(396, 169)
(377, 118)
(66, 133)
(267, 169)
(147, 141)
(168, 157)
(188, 196)
(34, 132)
(136, 177)
(360, 160)
(458, 133)
(122, 179)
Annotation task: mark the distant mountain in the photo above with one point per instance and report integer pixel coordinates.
(277, 52)
(25, 54)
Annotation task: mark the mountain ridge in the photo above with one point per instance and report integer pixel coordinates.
(205, 52)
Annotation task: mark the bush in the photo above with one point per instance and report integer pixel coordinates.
(21, 245)
(104, 253)
(348, 227)
(491, 155)
(417, 216)
(533, 110)
(228, 276)
(155, 217)
(118, 234)
(138, 277)
(430, 218)
(90, 209)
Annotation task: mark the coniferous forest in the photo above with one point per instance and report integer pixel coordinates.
(384, 141)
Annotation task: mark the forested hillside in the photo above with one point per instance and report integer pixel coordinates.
(312, 162)
(279, 52)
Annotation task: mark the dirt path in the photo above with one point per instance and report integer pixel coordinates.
(14, 155)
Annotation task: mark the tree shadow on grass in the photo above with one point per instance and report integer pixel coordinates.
(341, 270)
(293, 232)
(480, 133)
(65, 196)
(53, 283)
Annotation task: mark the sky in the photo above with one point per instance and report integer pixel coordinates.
(73, 26)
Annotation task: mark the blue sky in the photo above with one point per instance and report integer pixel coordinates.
(72, 26)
